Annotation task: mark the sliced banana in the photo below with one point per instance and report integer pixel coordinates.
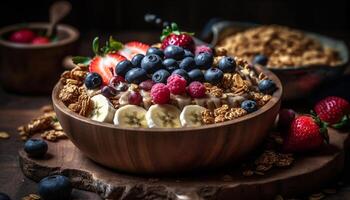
(191, 116)
(130, 116)
(103, 110)
(163, 116)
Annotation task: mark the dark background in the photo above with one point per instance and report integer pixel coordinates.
(330, 17)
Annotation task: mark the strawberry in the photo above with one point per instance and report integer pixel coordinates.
(22, 36)
(333, 110)
(104, 65)
(172, 36)
(305, 133)
(130, 49)
(40, 40)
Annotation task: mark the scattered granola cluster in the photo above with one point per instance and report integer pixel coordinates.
(283, 47)
(31, 197)
(46, 125)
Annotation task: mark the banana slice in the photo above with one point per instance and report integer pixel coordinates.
(191, 116)
(163, 116)
(103, 110)
(130, 116)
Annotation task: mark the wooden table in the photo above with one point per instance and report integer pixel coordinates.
(16, 110)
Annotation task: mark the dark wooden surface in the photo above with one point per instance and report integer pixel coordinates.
(16, 110)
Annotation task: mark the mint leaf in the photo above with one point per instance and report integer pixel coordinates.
(81, 60)
(95, 46)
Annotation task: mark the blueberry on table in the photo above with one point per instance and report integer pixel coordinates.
(155, 50)
(196, 75)
(56, 187)
(175, 52)
(160, 76)
(123, 67)
(204, 60)
(151, 63)
(249, 106)
(170, 64)
(183, 74)
(227, 64)
(136, 60)
(93, 80)
(187, 64)
(4, 196)
(213, 75)
(188, 53)
(35, 148)
(136, 75)
(260, 59)
(267, 86)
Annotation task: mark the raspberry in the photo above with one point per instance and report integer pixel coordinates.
(160, 93)
(203, 49)
(176, 84)
(196, 89)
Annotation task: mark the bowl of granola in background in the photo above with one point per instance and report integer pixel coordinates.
(301, 60)
(33, 67)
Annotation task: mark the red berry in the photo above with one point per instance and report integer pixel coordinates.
(160, 93)
(196, 89)
(135, 98)
(41, 40)
(176, 84)
(332, 109)
(173, 36)
(203, 49)
(116, 80)
(286, 116)
(146, 85)
(22, 36)
(304, 134)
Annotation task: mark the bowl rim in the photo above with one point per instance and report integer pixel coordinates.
(73, 35)
(276, 98)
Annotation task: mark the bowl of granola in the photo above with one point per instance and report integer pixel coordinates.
(302, 60)
(165, 109)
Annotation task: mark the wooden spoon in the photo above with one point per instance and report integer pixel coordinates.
(57, 12)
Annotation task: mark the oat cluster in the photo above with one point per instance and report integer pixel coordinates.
(283, 46)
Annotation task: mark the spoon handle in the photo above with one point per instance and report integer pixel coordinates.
(57, 11)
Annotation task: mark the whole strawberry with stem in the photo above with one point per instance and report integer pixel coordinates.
(333, 110)
(306, 133)
(171, 35)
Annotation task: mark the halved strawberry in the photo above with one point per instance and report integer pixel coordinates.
(104, 65)
(130, 49)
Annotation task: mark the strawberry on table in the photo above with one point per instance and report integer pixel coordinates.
(130, 49)
(333, 110)
(306, 133)
(172, 36)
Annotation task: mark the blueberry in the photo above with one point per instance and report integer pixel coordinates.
(267, 86)
(93, 80)
(136, 75)
(213, 75)
(187, 64)
(188, 53)
(196, 75)
(4, 196)
(35, 148)
(136, 60)
(108, 91)
(170, 64)
(151, 63)
(249, 106)
(204, 60)
(56, 187)
(160, 76)
(123, 67)
(260, 59)
(182, 73)
(155, 50)
(175, 52)
(227, 64)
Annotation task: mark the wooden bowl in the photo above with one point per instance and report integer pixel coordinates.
(146, 150)
(34, 69)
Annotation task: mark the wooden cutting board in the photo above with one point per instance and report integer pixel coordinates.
(308, 173)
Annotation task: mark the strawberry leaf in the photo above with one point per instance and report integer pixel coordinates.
(95, 46)
(343, 123)
(81, 60)
(114, 44)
